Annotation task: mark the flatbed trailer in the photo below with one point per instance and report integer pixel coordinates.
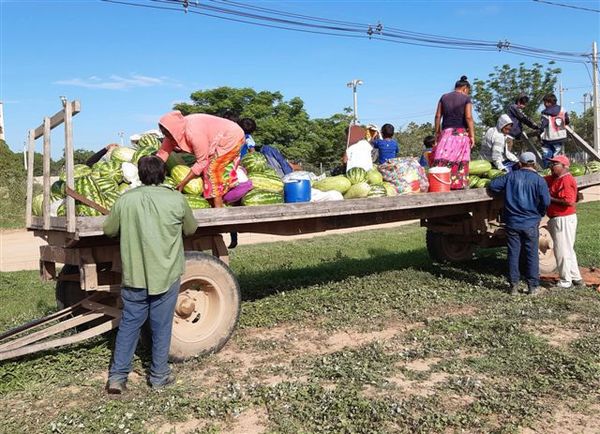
(208, 306)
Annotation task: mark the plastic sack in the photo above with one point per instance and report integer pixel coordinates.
(130, 173)
(325, 196)
(54, 207)
(405, 174)
(237, 192)
(241, 175)
(300, 175)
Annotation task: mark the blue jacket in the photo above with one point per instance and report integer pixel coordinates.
(518, 118)
(526, 198)
(276, 160)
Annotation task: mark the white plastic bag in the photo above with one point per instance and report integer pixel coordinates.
(301, 175)
(130, 173)
(325, 196)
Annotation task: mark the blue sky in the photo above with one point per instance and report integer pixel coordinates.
(128, 65)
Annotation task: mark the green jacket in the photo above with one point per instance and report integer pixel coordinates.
(150, 220)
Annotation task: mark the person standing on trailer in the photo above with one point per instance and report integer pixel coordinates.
(518, 117)
(526, 198)
(455, 133)
(214, 141)
(563, 221)
(150, 221)
(553, 128)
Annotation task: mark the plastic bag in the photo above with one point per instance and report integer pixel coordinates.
(130, 173)
(405, 174)
(300, 175)
(325, 196)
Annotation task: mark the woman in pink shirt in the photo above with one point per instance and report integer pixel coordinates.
(213, 140)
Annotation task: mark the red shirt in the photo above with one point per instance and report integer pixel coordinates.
(565, 188)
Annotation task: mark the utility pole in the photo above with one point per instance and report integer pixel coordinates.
(354, 84)
(1, 120)
(561, 91)
(596, 97)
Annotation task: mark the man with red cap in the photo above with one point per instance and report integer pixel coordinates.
(563, 220)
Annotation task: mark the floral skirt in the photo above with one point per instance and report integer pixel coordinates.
(220, 175)
(454, 151)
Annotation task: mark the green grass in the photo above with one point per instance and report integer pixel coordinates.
(488, 362)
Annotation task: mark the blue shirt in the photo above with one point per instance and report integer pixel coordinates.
(526, 198)
(388, 149)
(248, 143)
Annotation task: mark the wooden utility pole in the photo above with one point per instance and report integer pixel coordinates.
(596, 97)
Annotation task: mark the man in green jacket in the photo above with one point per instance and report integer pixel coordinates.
(150, 221)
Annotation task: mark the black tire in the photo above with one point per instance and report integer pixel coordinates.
(448, 248)
(216, 298)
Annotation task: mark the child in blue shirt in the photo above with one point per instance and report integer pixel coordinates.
(249, 126)
(427, 156)
(387, 146)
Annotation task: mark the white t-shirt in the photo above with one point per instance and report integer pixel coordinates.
(359, 155)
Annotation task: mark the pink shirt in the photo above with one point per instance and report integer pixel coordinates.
(203, 135)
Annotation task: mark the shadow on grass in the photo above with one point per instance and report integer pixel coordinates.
(259, 284)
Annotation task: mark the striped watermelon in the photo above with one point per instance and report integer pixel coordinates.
(142, 152)
(170, 182)
(377, 191)
(106, 184)
(87, 187)
(122, 154)
(79, 170)
(390, 189)
(257, 196)
(150, 141)
(123, 187)
(179, 172)
(254, 162)
(266, 183)
(356, 175)
(58, 188)
(194, 187)
(196, 201)
(110, 197)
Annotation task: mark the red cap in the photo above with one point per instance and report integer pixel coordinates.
(562, 159)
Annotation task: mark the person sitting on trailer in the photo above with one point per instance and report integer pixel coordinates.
(150, 221)
(387, 146)
(249, 126)
(427, 157)
(214, 141)
(518, 117)
(526, 198)
(495, 147)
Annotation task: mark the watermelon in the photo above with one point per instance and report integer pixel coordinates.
(196, 201)
(141, 152)
(110, 197)
(483, 182)
(254, 162)
(37, 204)
(473, 180)
(577, 169)
(87, 187)
(593, 167)
(359, 190)
(149, 141)
(123, 187)
(270, 172)
(79, 170)
(494, 173)
(170, 182)
(257, 196)
(58, 188)
(333, 183)
(377, 191)
(479, 167)
(106, 184)
(374, 177)
(122, 154)
(179, 172)
(61, 211)
(266, 183)
(194, 187)
(390, 189)
(356, 175)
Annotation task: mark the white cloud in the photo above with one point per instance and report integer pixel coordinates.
(117, 82)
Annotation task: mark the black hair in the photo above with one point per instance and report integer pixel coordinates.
(462, 83)
(248, 125)
(151, 170)
(550, 98)
(387, 131)
(522, 99)
(429, 141)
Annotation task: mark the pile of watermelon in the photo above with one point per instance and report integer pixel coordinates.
(267, 186)
(481, 173)
(357, 183)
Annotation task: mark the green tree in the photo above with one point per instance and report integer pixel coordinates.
(410, 138)
(492, 96)
(583, 124)
(13, 187)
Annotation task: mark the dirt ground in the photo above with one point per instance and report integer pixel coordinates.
(19, 249)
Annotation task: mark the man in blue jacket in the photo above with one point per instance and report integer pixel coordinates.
(526, 198)
(518, 117)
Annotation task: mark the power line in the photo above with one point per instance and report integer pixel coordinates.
(581, 8)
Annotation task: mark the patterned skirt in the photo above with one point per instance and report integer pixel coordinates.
(454, 151)
(220, 175)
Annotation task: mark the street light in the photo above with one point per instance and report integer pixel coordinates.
(63, 100)
(354, 84)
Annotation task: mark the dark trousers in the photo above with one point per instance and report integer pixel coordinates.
(525, 242)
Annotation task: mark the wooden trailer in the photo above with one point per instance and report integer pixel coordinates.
(207, 310)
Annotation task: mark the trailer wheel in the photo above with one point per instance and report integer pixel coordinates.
(443, 247)
(546, 251)
(68, 292)
(207, 310)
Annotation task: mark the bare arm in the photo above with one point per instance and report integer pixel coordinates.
(470, 125)
(438, 119)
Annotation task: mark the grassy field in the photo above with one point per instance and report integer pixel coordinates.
(356, 333)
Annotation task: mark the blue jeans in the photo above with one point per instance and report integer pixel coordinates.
(523, 241)
(137, 307)
(550, 150)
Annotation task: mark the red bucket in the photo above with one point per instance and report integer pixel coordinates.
(439, 179)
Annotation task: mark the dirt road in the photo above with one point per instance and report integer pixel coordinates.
(19, 249)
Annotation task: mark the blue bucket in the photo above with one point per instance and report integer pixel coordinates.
(296, 191)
